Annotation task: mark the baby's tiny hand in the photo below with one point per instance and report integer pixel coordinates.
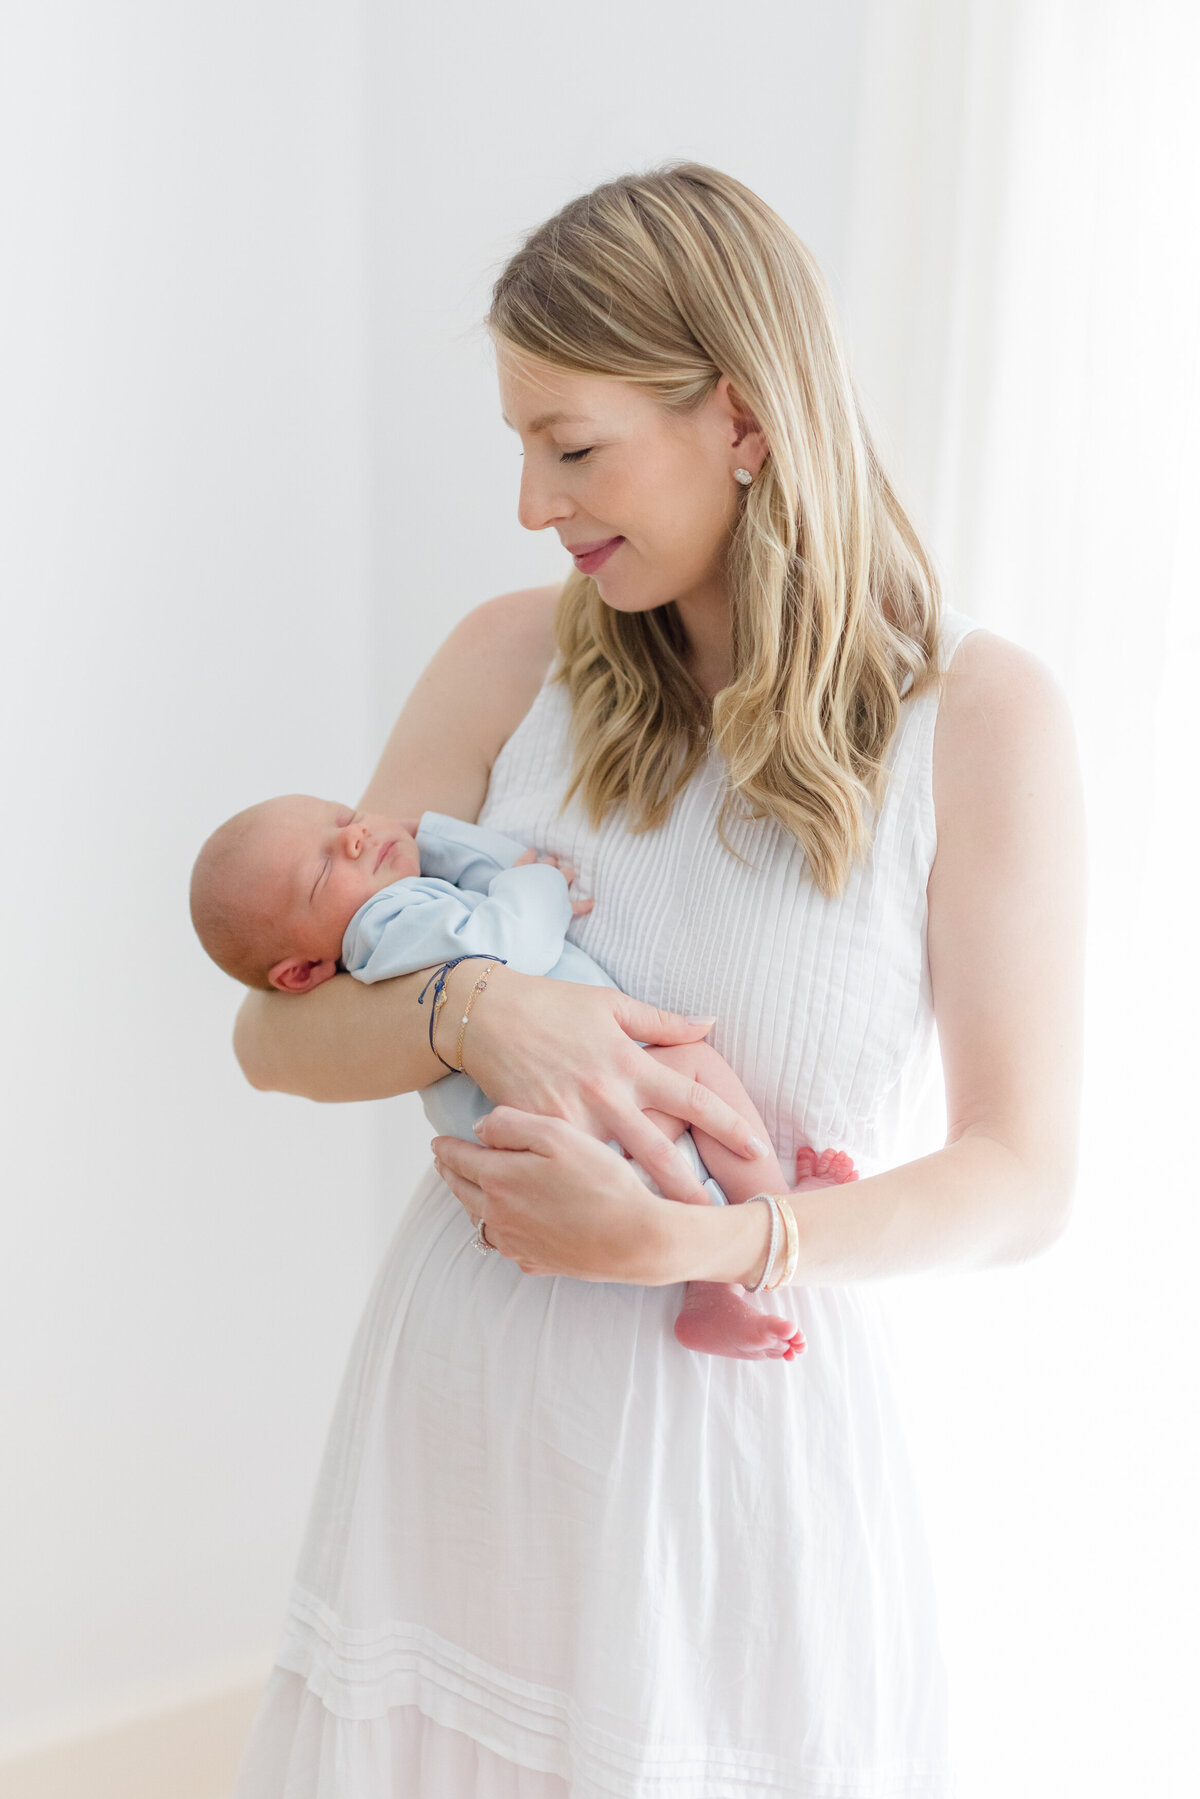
(578, 907)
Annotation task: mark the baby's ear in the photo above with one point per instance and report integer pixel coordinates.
(296, 974)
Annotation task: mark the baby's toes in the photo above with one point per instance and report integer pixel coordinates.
(836, 1166)
(806, 1162)
(788, 1338)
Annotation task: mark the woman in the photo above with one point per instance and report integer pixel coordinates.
(552, 1552)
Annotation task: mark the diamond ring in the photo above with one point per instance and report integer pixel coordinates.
(480, 1241)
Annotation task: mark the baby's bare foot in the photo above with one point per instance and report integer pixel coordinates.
(719, 1320)
(823, 1168)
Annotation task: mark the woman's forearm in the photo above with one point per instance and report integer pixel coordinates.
(973, 1204)
(345, 1040)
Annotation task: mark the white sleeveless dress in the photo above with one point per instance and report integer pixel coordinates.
(552, 1553)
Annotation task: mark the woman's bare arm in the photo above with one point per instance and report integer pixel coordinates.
(346, 1040)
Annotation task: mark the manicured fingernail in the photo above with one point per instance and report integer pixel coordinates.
(757, 1145)
(477, 1127)
(702, 1020)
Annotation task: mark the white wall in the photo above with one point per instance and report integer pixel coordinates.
(254, 446)
(185, 559)
(1030, 175)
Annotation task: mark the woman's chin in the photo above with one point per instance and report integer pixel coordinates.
(625, 596)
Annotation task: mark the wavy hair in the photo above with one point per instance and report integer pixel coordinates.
(670, 279)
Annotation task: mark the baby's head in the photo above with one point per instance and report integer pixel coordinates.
(274, 887)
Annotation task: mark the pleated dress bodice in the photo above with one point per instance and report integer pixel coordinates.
(823, 1005)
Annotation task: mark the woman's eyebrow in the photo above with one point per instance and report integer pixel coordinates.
(545, 419)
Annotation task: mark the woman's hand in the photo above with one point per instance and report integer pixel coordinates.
(557, 1201)
(569, 1051)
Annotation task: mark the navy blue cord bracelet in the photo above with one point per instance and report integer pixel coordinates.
(439, 976)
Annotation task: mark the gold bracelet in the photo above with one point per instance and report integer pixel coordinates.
(479, 986)
(792, 1244)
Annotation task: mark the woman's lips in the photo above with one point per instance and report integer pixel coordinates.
(590, 562)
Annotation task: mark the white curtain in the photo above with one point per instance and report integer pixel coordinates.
(1024, 314)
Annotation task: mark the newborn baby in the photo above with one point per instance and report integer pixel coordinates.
(289, 891)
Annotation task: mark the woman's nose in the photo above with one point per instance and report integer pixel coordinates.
(537, 504)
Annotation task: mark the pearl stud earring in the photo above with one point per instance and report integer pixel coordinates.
(743, 475)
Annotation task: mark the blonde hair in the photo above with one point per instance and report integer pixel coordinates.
(671, 279)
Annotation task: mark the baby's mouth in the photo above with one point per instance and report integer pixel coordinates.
(384, 852)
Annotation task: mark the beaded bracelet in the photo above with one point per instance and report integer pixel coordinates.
(771, 1201)
(440, 996)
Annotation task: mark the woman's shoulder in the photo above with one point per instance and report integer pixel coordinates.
(514, 634)
(1004, 731)
(995, 689)
(464, 706)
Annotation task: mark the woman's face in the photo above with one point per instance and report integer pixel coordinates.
(617, 466)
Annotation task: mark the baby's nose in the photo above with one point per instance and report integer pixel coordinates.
(354, 838)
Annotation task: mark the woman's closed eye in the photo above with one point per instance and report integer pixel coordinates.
(570, 455)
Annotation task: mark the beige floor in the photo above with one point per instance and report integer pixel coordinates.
(190, 1752)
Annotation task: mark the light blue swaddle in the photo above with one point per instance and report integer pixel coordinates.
(470, 900)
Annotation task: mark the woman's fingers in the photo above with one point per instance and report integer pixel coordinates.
(467, 1160)
(507, 1127)
(650, 1024)
(672, 1092)
(666, 1165)
(454, 1163)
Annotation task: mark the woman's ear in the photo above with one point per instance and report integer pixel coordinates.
(745, 430)
(296, 974)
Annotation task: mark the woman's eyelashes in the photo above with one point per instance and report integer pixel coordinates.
(568, 455)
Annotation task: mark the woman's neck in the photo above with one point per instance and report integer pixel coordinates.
(709, 654)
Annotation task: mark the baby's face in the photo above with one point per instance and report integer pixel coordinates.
(321, 861)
